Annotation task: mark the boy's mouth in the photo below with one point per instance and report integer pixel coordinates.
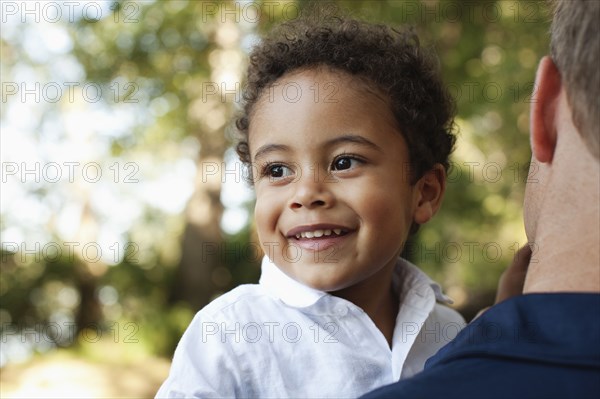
(319, 237)
(319, 231)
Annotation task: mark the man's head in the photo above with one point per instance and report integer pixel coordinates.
(575, 49)
(563, 188)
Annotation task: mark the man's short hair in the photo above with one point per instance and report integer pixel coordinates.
(575, 49)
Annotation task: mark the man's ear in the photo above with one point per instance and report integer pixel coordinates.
(544, 102)
(430, 191)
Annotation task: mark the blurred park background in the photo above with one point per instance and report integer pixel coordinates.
(124, 211)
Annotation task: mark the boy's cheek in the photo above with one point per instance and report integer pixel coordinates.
(268, 223)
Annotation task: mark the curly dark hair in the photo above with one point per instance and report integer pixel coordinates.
(388, 59)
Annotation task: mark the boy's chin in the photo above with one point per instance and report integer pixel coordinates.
(323, 283)
(328, 287)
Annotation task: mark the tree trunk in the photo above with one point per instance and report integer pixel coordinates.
(202, 240)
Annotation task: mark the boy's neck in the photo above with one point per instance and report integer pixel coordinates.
(380, 304)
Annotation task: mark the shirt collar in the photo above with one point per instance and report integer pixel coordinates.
(406, 277)
(287, 289)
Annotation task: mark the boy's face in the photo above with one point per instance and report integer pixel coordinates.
(334, 203)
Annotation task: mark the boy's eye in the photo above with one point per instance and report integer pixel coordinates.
(277, 171)
(343, 163)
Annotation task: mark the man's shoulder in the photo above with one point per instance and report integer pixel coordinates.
(532, 346)
(495, 377)
(533, 327)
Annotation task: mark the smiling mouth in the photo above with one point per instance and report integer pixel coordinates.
(319, 237)
(319, 233)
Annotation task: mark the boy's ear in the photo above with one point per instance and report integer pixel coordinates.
(430, 190)
(544, 102)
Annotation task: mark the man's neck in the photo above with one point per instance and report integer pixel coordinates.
(566, 258)
(566, 251)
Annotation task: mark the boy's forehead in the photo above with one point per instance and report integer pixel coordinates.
(326, 86)
(317, 104)
(334, 79)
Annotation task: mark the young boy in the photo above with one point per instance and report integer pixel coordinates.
(347, 130)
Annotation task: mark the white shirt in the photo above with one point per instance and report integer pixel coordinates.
(280, 338)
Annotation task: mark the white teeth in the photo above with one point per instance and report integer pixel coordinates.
(319, 233)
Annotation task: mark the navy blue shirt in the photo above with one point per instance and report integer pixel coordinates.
(531, 346)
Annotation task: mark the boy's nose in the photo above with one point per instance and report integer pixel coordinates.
(311, 192)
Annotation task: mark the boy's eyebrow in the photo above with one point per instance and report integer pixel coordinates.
(267, 148)
(351, 138)
(347, 138)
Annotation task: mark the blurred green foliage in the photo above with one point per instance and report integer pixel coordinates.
(488, 54)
